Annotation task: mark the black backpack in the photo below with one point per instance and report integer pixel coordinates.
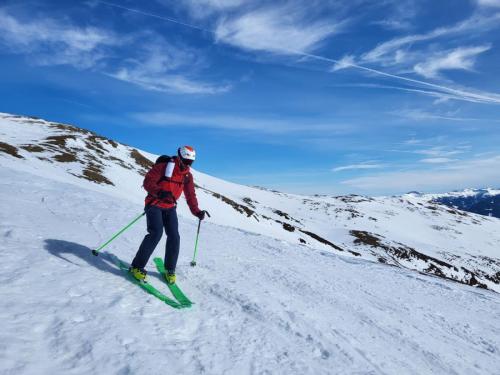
(163, 159)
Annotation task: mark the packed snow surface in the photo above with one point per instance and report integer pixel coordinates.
(285, 284)
(263, 306)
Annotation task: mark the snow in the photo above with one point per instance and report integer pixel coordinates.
(262, 305)
(265, 303)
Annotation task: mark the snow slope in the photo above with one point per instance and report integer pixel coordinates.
(263, 305)
(285, 284)
(406, 231)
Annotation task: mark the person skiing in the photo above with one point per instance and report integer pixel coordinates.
(164, 183)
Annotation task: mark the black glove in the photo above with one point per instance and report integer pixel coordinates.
(201, 214)
(163, 194)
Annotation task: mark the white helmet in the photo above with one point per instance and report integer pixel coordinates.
(187, 154)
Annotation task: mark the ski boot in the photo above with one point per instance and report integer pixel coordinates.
(169, 277)
(138, 274)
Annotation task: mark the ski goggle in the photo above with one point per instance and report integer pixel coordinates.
(186, 161)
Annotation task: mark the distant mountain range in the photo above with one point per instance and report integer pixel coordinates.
(479, 201)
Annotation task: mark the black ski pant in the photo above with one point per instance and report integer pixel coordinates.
(157, 220)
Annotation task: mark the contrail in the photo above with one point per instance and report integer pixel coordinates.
(173, 20)
(465, 95)
(490, 98)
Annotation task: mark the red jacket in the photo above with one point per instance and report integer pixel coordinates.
(168, 176)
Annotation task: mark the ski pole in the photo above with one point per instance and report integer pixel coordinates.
(96, 251)
(193, 262)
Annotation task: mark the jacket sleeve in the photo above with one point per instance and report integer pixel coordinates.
(152, 179)
(190, 194)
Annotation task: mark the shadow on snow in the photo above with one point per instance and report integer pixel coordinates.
(105, 262)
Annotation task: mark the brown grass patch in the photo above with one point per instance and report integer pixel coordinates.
(58, 140)
(33, 148)
(94, 173)
(9, 149)
(142, 161)
(403, 252)
(65, 157)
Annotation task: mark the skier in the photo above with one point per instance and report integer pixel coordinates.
(165, 182)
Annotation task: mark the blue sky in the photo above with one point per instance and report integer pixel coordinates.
(327, 97)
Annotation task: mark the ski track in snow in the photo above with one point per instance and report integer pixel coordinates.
(263, 306)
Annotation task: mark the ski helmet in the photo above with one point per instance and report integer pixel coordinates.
(187, 154)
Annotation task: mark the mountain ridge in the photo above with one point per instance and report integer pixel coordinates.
(443, 241)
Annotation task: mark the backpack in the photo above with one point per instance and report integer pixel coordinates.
(163, 159)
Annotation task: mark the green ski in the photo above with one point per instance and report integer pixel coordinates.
(150, 288)
(176, 291)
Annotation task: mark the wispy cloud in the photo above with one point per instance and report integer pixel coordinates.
(357, 167)
(467, 173)
(277, 29)
(288, 30)
(386, 52)
(441, 95)
(161, 66)
(400, 15)
(152, 62)
(51, 42)
(423, 115)
(171, 83)
(239, 123)
(430, 150)
(431, 89)
(458, 58)
(441, 151)
(489, 3)
(345, 62)
(401, 53)
(200, 9)
(436, 160)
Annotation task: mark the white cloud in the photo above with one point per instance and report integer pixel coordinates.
(440, 92)
(281, 30)
(345, 62)
(400, 15)
(440, 151)
(470, 173)
(161, 66)
(240, 123)
(459, 58)
(200, 9)
(171, 83)
(489, 3)
(432, 89)
(422, 115)
(413, 141)
(288, 30)
(386, 52)
(357, 167)
(217, 4)
(152, 64)
(436, 160)
(51, 42)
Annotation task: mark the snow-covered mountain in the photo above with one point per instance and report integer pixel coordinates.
(285, 283)
(479, 201)
(406, 231)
